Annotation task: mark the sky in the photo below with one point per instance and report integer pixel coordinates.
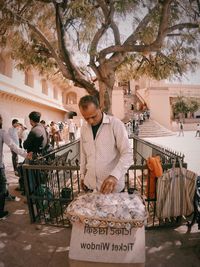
(191, 78)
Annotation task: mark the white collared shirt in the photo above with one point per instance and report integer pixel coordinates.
(5, 138)
(109, 154)
(13, 132)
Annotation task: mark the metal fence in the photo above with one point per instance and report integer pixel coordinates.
(138, 175)
(52, 182)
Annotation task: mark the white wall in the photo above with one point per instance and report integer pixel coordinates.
(11, 108)
(118, 103)
(159, 105)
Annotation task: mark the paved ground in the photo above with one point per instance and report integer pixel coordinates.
(23, 244)
(188, 144)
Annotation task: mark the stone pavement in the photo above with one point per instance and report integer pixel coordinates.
(23, 244)
(189, 145)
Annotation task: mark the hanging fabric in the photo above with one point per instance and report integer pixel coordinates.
(155, 171)
(175, 192)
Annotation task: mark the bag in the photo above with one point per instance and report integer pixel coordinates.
(45, 195)
(48, 152)
(175, 192)
(66, 193)
(47, 149)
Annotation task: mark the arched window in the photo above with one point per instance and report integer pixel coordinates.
(44, 87)
(55, 93)
(71, 98)
(6, 65)
(29, 78)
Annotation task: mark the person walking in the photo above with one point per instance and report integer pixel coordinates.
(55, 134)
(181, 132)
(13, 133)
(5, 138)
(197, 130)
(105, 153)
(72, 130)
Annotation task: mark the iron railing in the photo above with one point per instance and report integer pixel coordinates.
(52, 182)
(138, 175)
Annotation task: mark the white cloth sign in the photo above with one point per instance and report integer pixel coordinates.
(109, 245)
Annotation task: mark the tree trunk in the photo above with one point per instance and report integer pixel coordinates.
(105, 96)
(106, 84)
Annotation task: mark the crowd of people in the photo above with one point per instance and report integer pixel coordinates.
(103, 138)
(133, 126)
(29, 144)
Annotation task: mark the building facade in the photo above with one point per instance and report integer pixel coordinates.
(24, 91)
(160, 97)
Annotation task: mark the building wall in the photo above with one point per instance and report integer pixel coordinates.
(15, 107)
(118, 103)
(22, 92)
(159, 105)
(157, 97)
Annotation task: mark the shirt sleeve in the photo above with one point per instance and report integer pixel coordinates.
(9, 142)
(124, 148)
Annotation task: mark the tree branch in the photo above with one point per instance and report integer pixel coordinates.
(43, 39)
(75, 75)
(129, 45)
(97, 37)
(187, 25)
(141, 26)
(108, 22)
(114, 26)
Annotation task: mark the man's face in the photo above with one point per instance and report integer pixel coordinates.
(15, 125)
(32, 123)
(92, 114)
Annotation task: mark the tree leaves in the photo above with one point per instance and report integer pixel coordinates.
(183, 105)
(160, 40)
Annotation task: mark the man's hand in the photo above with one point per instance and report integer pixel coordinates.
(83, 186)
(29, 155)
(108, 185)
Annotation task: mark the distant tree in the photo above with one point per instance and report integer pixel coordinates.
(184, 105)
(180, 107)
(52, 35)
(193, 105)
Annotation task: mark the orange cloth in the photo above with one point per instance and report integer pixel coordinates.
(155, 169)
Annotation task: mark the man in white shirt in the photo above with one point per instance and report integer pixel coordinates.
(72, 130)
(105, 149)
(13, 132)
(5, 138)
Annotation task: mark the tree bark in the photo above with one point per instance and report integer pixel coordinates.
(105, 97)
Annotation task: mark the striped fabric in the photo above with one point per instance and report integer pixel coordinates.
(175, 193)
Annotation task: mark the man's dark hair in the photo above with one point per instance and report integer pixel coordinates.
(14, 121)
(35, 116)
(88, 99)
